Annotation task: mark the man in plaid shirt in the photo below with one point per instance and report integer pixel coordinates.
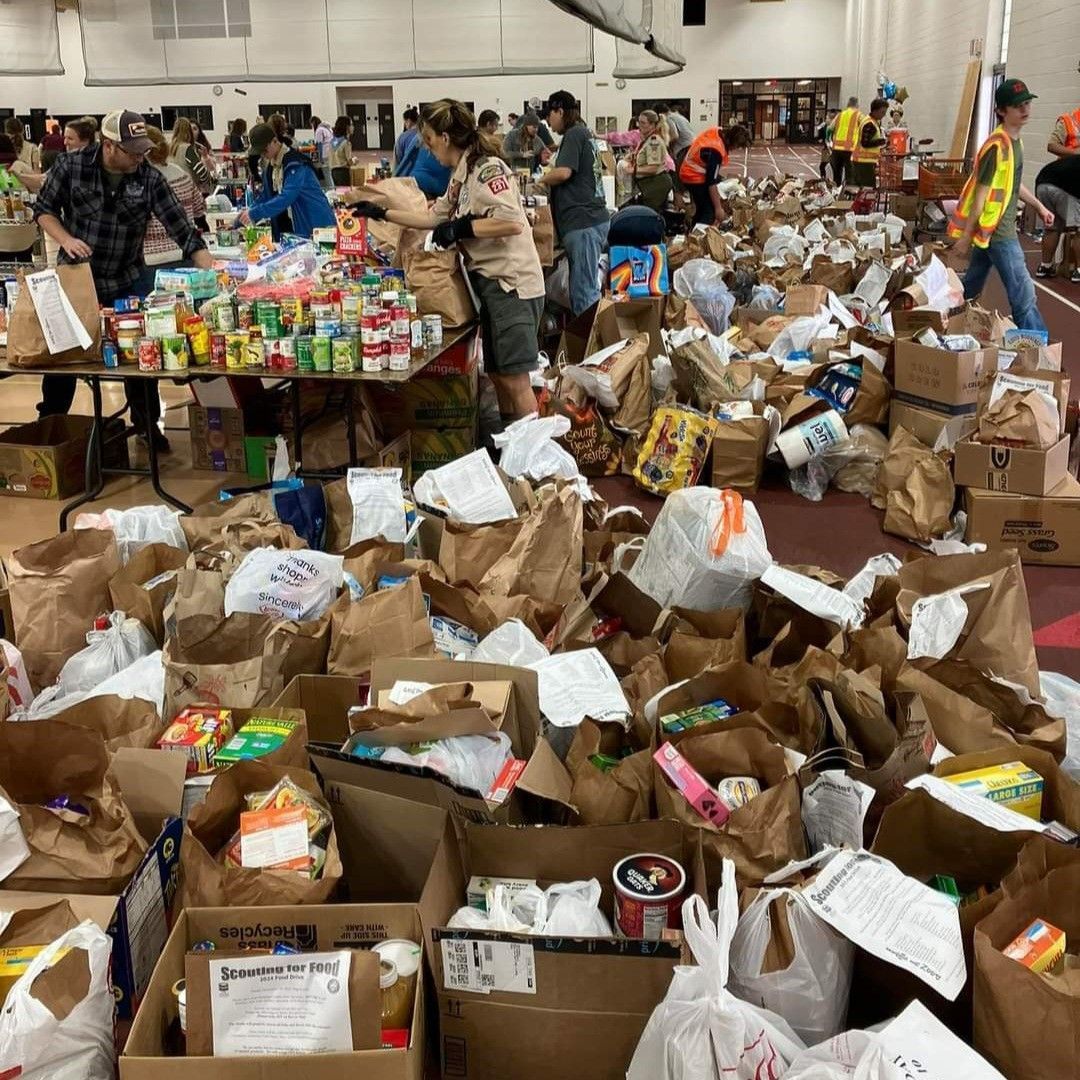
(96, 204)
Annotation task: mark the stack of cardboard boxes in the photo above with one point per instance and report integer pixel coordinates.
(1016, 496)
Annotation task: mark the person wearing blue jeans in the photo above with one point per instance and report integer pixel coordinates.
(983, 225)
(578, 207)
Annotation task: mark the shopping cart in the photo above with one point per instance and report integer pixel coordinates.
(890, 179)
(940, 180)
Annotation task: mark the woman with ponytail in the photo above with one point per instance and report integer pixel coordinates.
(481, 212)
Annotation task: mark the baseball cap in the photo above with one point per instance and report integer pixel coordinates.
(128, 129)
(260, 138)
(1012, 92)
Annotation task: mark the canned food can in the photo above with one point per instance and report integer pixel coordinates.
(226, 318)
(218, 351)
(432, 330)
(287, 349)
(384, 355)
(344, 354)
(399, 321)
(244, 315)
(149, 353)
(110, 354)
(270, 318)
(649, 892)
(174, 352)
(254, 352)
(416, 335)
(236, 350)
(372, 358)
(736, 791)
(400, 356)
(410, 303)
(305, 353)
(382, 324)
(321, 353)
(369, 324)
(350, 307)
(271, 353)
(329, 328)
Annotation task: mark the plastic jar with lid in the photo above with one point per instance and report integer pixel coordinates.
(396, 997)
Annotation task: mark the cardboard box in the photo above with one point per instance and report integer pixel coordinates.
(1034, 360)
(943, 381)
(1004, 468)
(313, 928)
(217, 438)
(927, 426)
(590, 998)
(432, 448)
(435, 401)
(1012, 784)
(326, 701)
(1044, 529)
(621, 318)
(46, 459)
(639, 271)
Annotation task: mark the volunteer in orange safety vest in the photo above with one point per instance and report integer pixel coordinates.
(700, 170)
(864, 158)
(845, 139)
(1065, 138)
(984, 223)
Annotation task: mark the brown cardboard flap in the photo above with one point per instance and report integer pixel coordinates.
(365, 1000)
(152, 783)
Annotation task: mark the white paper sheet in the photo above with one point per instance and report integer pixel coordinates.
(575, 685)
(937, 621)
(833, 810)
(60, 326)
(404, 690)
(469, 488)
(268, 1005)
(378, 505)
(512, 643)
(873, 284)
(985, 811)
(894, 917)
(921, 1046)
(815, 597)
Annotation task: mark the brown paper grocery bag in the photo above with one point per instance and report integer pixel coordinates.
(119, 721)
(631, 383)
(205, 881)
(58, 588)
(395, 193)
(623, 793)
(1021, 419)
(701, 378)
(839, 277)
(915, 487)
(594, 446)
(239, 665)
(1025, 1022)
(467, 552)
(131, 594)
(703, 639)
(680, 312)
(197, 606)
(543, 234)
(738, 452)
(996, 638)
(760, 837)
(388, 623)
(202, 526)
(26, 345)
(95, 854)
(545, 558)
(924, 837)
(436, 279)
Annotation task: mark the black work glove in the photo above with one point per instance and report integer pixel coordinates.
(449, 233)
(370, 210)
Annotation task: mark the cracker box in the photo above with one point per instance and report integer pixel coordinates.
(257, 738)
(1013, 785)
(200, 733)
(1040, 947)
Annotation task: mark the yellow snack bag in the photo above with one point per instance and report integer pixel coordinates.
(673, 452)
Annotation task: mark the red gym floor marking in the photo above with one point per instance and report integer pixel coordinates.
(1063, 634)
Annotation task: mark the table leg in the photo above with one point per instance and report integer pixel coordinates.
(149, 391)
(298, 426)
(350, 422)
(95, 457)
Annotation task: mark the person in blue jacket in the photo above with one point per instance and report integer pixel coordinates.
(291, 188)
(423, 166)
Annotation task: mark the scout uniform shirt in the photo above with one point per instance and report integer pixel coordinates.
(490, 190)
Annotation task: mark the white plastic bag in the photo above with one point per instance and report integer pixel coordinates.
(572, 910)
(298, 585)
(1062, 696)
(702, 282)
(512, 643)
(469, 761)
(701, 1031)
(107, 652)
(138, 527)
(143, 679)
(14, 850)
(811, 993)
(799, 335)
(704, 552)
(35, 1044)
(19, 690)
(529, 449)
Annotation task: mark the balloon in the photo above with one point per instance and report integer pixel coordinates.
(889, 90)
(902, 95)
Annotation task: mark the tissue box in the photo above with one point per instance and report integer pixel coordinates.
(639, 271)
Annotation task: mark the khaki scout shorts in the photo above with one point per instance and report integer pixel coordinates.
(509, 327)
(1066, 208)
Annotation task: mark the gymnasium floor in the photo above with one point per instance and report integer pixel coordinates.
(840, 532)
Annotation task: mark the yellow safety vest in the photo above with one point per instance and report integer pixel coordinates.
(846, 131)
(1000, 187)
(867, 154)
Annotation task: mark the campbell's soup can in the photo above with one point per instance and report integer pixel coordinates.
(400, 356)
(287, 348)
(649, 891)
(371, 360)
(218, 351)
